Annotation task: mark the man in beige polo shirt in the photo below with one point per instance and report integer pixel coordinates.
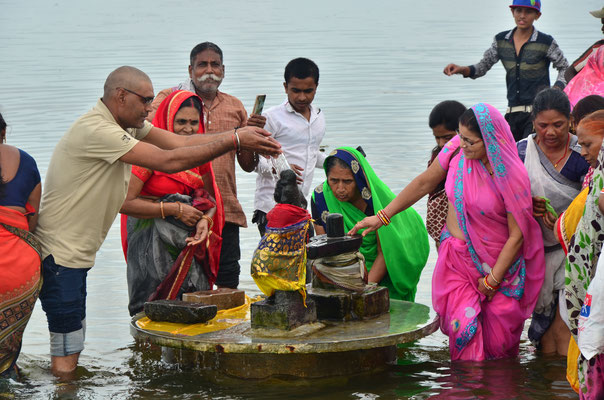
(86, 184)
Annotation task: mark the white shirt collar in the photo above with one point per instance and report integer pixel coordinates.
(314, 111)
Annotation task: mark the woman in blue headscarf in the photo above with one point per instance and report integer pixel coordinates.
(396, 255)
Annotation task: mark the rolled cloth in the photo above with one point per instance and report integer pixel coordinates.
(346, 271)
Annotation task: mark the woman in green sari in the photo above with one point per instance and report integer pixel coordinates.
(396, 255)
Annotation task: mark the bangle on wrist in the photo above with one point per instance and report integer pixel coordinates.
(488, 285)
(236, 140)
(210, 221)
(179, 210)
(383, 217)
(494, 279)
(161, 209)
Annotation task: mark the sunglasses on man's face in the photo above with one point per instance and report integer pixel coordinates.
(146, 100)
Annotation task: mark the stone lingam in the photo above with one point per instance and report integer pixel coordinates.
(339, 325)
(339, 284)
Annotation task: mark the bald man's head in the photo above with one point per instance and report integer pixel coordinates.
(128, 95)
(124, 77)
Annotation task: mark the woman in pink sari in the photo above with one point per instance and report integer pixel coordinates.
(590, 80)
(490, 264)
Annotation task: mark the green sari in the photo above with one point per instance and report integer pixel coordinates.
(404, 242)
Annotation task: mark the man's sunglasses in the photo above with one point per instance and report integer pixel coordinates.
(146, 100)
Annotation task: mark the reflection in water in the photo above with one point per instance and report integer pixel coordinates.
(422, 372)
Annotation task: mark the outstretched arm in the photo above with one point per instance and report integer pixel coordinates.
(454, 69)
(423, 184)
(167, 152)
(489, 58)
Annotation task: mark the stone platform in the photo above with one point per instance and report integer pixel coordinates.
(338, 348)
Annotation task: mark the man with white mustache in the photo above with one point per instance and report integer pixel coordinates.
(221, 112)
(209, 83)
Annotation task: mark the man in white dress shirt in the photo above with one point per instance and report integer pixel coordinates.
(299, 127)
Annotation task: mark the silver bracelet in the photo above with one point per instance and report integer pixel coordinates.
(238, 142)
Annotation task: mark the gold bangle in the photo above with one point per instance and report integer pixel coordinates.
(210, 221)
(493, 276)
(161, 208)
(383, 217)
(488, 285)
(179, 210)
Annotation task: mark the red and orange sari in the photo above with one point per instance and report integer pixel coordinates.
(19, 282)
(177, 269)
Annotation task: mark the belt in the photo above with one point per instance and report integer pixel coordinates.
(514, 109)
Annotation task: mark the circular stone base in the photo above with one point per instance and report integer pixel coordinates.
(340, 348)
(300, 365)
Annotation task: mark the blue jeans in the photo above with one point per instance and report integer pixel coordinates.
(63, 298)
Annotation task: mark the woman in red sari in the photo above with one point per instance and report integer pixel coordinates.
(171, 223)
(20, 283)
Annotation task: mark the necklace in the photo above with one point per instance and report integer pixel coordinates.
(563, 155)
(565, 151)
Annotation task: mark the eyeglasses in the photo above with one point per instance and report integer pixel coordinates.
(466, 140)
(146, 100)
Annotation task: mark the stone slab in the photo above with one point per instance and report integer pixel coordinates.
(179, 311)
(372, 302)
(222, 298)
(322, 246)
(341, 305)
(284, 310)
(332, 304)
